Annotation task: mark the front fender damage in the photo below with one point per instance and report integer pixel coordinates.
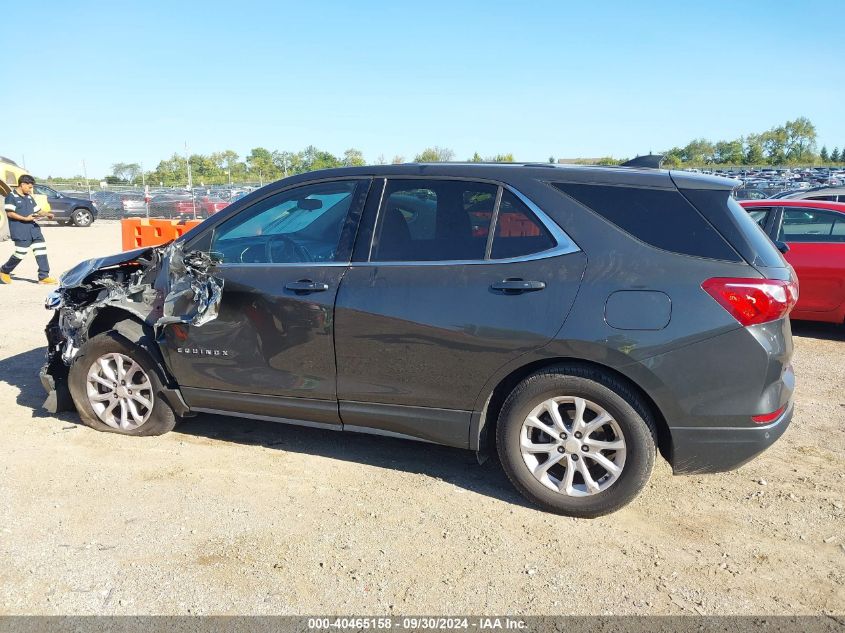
(158, 286)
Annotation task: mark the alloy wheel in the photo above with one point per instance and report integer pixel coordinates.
(119, 391)
(572, 446)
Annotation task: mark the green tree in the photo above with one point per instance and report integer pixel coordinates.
(800, 143)
(500, 158)
(729, 152)
(261, 165)
(825, 157)
(434, 155)
(754, 154)
(608, 160)
(353, 158)
(834, 155)
(126, 172)
(476, 158)
(171, 172)
(774, 144)
(698, 151)
(204, 169)
(673, 157)
(551, 159)
(225, 162)
(287, 163)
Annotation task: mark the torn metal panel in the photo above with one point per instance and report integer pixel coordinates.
(159, 286)
(194, 293)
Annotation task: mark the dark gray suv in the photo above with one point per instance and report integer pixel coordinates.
(574, 320)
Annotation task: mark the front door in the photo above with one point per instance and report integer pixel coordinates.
(270, 351)
(461, 278)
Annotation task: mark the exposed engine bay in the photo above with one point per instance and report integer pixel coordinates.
(151, 287)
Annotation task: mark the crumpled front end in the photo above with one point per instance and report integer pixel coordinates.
(158, 286)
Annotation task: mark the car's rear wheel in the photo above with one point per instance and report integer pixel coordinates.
(576, 440)
(82, 217)
(115, 388)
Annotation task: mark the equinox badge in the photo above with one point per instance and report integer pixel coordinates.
(202, 352)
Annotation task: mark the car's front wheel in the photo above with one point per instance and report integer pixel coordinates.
(82, 217)
(115, 388)
(576, 440)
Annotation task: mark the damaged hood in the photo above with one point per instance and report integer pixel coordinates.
(76, 276)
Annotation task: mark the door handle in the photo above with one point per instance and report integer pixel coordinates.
(306, 285)
(517, 286)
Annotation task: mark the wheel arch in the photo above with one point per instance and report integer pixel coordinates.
(136, 331)
(483, 427)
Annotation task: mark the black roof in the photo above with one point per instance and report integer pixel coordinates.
(587, 174)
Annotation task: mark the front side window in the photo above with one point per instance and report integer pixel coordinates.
(812, 225)
(299, 225)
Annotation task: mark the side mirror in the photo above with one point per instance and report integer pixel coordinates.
(783, 247)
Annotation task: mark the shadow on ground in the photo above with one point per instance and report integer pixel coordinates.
(452, 465)
(21, 371)
(818, 330)
(455, 466)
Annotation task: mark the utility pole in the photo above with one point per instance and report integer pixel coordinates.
(85, 174)
(190, 181)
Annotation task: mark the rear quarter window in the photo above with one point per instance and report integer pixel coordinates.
(658, 217)
(734, 222)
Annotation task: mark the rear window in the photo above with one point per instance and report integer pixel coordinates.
(737, 226)
(664, 219)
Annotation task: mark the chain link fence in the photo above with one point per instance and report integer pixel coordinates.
(130, 201)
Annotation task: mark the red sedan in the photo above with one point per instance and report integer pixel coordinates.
(815, 233)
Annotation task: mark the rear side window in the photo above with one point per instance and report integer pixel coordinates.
(664, 219)
(434, 220)
(518, 231)
(812, 225)
(741, 231)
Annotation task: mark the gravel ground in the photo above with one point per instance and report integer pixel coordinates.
(228, 516)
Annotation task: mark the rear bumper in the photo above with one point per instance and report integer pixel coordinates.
(714, 450)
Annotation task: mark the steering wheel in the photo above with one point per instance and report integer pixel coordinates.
(293, 252)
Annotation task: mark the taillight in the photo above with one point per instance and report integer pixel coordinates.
(768, 417)
(753, 301)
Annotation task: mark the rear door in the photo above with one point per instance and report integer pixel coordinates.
(452, 280)
(816, 239)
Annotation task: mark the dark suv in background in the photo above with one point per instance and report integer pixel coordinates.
(571, 319)
(67, 209)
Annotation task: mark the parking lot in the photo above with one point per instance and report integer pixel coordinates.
(229, 516)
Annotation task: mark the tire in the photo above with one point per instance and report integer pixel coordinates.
(112, 348)
(82, 217)
(616, 414)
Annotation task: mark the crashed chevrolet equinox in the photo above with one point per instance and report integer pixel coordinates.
(575, 321)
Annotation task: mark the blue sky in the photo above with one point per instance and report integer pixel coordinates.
(107, 83)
